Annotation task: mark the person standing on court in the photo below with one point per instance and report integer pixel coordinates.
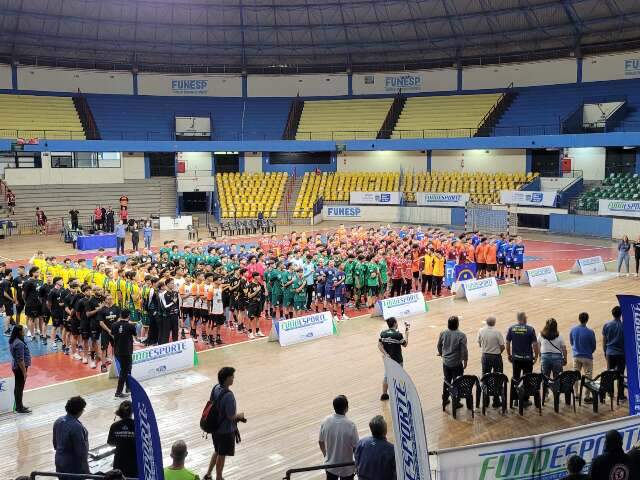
(613, 463)
(20, 363)
(491, 344)
(583, 344)
(452, 347)
(522, 346)
(123, 332)
(121, 233)
(71, 439)
(623, 254)
(110, 220)
(613, 345)
(553, 352)
(375, 456)
(147, 233)
(390, 344)
(224, 436)
(170, 309)
(122, 435)
(338, 440)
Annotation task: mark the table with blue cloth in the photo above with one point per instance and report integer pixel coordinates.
(94, 242)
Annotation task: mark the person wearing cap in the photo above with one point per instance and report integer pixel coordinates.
(575, 464)
(613, 463)
(122, 435)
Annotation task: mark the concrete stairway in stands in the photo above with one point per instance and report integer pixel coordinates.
(288, 202)
(146, 197)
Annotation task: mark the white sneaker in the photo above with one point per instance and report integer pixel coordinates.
(336, 319)
(344, 318)
(93, 364)
(28, 333)
(260, 334)
(85, 361)
(251, 337)
(77, 356)
(54, 347)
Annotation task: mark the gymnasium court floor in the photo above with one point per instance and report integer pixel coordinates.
(286, 392)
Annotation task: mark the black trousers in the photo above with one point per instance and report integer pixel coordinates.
(491, 363)
(168, 326)
(449, 374)
(74, 224)
(406, 286)
(152, 337)
(18, 389)
(396, 287)
(426, 282)
(309, 291)
(619, 363)
(521, 367)
(436, 285)
(119, 246)
(110, 225)
(125, 363)
(331, 476)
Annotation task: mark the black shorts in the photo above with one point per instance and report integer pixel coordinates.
(254, 310)
(224, 444)
(105, 341)
(500, 261)
(8, 309)
(492, 267)
(416, 274)
(74, 327)
(482, 267)
(216, 318)
(19, 308)
(57, 320)
(201, 313)
(517, 266)
(187, 312)
(46, 314)
(373, 291)
(33, 311)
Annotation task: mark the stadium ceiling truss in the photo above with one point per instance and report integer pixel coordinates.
(308, 35)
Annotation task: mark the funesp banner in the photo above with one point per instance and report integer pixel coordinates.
(425, 199)
(630, 305)
(474, 290)
(619, 208)
(375, 198)
(526, 197)
(537, 277)
(589, 265)
(412, 455)
(148, 446)
(539, 457)
(303, 329)
(402, 306)
(162, 359)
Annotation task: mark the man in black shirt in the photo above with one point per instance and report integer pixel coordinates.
(106, 317)
(6, 298)
(122, 436)
(613, 464)
(17, 284)
(43, 293)
(32, 305)
(55, 303)
(89, 328)
(390, 345)
(123, 332)
(73, 213)
(254, 292)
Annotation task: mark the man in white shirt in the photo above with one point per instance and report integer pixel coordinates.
(338, 439)
(491, 344)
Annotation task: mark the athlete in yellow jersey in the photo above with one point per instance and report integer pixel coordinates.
(121, 290)
(109, 285)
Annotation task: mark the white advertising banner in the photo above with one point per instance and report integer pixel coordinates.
(537, 277)
(525, 197)
(412, 455)
(375, 198)
(203, 85)
(403, 306)
(474, 290)
(619, 208)
(303, 329)
(589, 265)
(542, 457)
(162, 359)
(442, 199)
(7, 402)
(176, 223)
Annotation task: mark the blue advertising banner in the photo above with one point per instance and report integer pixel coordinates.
(449, 273)
(466, 271)
(630, 305)
(148, 447)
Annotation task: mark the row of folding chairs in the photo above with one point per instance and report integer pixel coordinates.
(243, 227)
(536, 385)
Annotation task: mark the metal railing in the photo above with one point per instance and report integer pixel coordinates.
(71, 476)
(292, 471)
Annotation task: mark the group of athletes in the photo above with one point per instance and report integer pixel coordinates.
(201, 288)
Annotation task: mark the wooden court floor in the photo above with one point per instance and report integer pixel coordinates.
(286, 392)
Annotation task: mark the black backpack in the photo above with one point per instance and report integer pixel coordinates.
(211, 417)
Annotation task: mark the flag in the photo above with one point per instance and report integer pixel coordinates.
(412, 456)
(630, 305)
(148, 447)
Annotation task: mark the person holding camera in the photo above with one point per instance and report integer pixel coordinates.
(226, 434)
(390, 345)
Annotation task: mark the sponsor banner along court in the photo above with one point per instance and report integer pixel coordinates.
(474, 290)
(424, 199)
(162, 359)
(630, 305)
(589, 265)
(375, 198)
(403, 306)
(525, 197)
(539, 276)
(304, 329)
(619, 208)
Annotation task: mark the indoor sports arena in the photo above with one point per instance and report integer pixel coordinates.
(372, 239)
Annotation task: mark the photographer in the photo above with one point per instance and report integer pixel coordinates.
(390, 345)
(123, 332)
(106, 317)
(226, 434)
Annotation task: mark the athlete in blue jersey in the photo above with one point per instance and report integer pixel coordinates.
(509, 257)
(329, 289)
(501, 254)
(340, 296)
(517, 258)
(320, 277)
(475, 239)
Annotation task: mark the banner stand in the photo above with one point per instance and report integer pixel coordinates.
(474, 290)
(587, 266)
(537, 277)
(402, 306)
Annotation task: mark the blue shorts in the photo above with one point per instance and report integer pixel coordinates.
(320, 290)
(500, 260)
(329, 294)
(340, 297)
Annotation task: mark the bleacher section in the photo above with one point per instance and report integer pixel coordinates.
(483, 187)
(38, 116)
(244, 195)
(459, 115)
(540, 110)
(342, 119)
(153, 118)
(154, 196)
(617, 186)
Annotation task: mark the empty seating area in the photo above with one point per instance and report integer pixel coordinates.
(443, 116)
(342, 119)
(617, 186)
(483, 187)
(39, 116)
(243, 195)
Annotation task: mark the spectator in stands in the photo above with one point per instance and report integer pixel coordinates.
(74, 213)
(41, 221)
(11, 201)
(613, 345)
(452, 347)
(177, 471)
(122, 435)
(121, 233)
(224, 437)
(623, 254)
(522, 346)
(20, 363)
(71, 439)
(553, 351)
(338, 440)
(147, 233)
(375, 456)
(98, 218)
(575, 464)
(613, 464)
(583, 344)
(110, 220)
